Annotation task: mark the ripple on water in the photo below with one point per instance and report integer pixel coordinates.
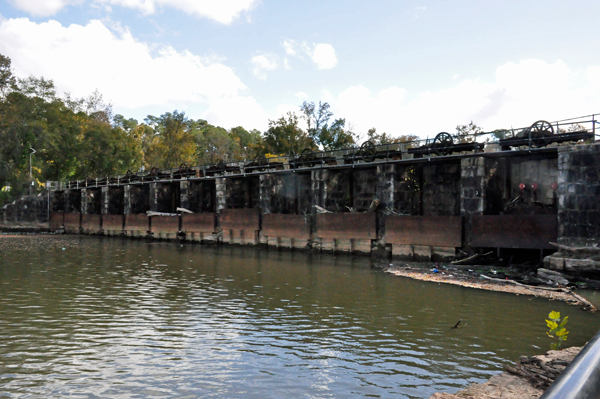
(129, 319)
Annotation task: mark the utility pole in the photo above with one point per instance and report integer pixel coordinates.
(30, 174)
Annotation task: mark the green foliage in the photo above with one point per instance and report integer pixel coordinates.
(329, 137)
(77, 138)
(557, 328)
(7, 80)
(384, 138)
(73, 138)
(174, 143)
(466, 133)
(284, 136)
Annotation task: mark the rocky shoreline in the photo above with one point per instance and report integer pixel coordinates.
(527, 380)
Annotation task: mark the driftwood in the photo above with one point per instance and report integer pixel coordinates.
(374, 204)
(320, 209)
(540, 372)
(587, 304)
(152, 213)
(470, 258)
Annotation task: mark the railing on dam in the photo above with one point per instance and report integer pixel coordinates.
(581, 379)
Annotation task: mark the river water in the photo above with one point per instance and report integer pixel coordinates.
(88, 317)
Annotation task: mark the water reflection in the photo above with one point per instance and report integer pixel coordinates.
(120, 318)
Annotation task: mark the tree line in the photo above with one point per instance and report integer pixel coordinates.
(77, 138)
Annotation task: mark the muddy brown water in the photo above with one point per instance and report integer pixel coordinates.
(88, 317)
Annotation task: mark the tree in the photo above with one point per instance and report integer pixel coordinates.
(214, 144)
(329, 137)
(284, 136)
(7, 80)
(175, 144)
(335, 137)
(384, 138)
(248, 143)
(466, 133)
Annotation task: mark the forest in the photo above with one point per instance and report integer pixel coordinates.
(57, 137)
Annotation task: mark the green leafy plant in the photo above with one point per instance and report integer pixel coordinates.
(557, 328)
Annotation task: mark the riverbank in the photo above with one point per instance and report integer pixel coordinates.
(471, 277)
(512, 384)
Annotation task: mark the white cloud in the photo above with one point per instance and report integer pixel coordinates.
(223, 11)
(132, 74)
(232, 111)
(518, 95)
(263, 63)
(289, 46)
(43, 8)
(324, 56)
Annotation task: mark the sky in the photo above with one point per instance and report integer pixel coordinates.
(400, 66)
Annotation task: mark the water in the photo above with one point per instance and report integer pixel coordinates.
(108, 318)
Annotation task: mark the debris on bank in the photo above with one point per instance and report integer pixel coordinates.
(530, 377)
(480, 277)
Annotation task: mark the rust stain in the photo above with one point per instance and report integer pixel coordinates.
(515, 231)
(198, 222)
(240, 219)
(136, 222)
(439, 231)
(289, 226)
(346, 226)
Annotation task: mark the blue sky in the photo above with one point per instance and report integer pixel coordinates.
(404, 67)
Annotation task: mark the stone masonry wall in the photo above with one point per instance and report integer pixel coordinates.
(472, 186)
(31, 209)
(365, 188)
(579, 195)
(441, 187)
(472, 199)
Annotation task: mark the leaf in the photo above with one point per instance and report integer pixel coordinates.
(554, 315)
(551, 324)
(562, 333)
(564, 321)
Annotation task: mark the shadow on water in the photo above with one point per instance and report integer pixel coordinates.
(108, 317)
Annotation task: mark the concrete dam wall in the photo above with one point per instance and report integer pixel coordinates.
(422, 208)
